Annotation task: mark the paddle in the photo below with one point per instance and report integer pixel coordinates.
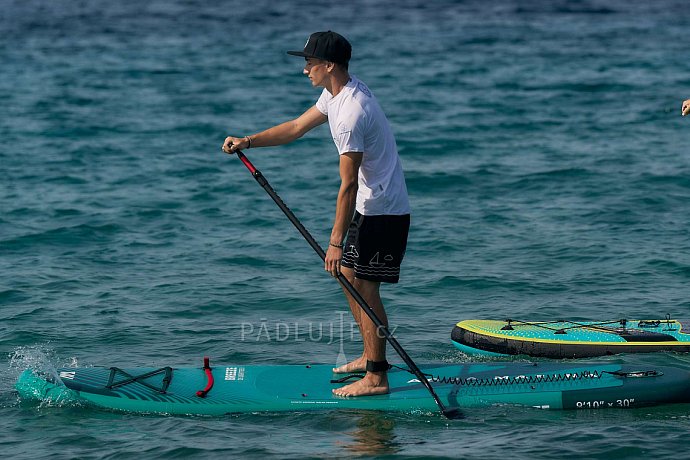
(449, 413)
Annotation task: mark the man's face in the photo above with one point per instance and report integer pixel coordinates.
(316, 70)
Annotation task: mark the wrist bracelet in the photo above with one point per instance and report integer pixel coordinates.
(249, 141)
(339, 246)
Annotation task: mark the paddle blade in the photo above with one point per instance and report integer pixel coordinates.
(453, 414)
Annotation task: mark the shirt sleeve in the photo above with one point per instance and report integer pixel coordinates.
(350, 134)
(322, 103)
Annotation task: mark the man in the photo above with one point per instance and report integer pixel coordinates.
(372, 207)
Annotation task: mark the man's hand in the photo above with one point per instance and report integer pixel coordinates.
(332, 261)
(686, 107)
(233, 144)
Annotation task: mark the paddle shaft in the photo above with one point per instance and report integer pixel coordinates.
(450, 413)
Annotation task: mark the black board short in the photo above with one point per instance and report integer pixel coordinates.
(375, 246)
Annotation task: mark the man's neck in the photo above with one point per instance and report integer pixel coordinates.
(337, 82)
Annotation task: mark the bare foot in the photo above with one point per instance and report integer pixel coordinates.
(358, 365)
(374, 383)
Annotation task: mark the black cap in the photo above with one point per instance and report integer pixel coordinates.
(328, 46)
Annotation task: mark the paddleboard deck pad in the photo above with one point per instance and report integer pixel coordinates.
(570, 339)
(229, 389)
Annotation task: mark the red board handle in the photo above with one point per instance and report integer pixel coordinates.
(209, 379)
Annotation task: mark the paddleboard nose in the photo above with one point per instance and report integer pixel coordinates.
(33, 387)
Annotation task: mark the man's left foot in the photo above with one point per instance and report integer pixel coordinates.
(374, 383)
(358, 365)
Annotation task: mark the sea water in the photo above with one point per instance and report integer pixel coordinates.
(547, 164)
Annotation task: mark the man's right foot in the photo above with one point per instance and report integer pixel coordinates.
(358, 365)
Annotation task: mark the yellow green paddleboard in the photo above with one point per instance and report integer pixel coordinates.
(570, 339)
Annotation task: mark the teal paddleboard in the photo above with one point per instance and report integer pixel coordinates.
(248, 388)
(570, 339)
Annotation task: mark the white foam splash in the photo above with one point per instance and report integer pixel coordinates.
(43, 360)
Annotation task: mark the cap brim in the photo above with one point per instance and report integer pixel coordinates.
(299, 53)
